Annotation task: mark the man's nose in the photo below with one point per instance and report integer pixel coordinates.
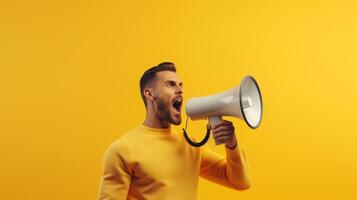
(179, 90)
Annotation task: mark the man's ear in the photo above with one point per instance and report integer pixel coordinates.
(149, 94)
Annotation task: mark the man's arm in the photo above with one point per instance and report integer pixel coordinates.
(232, 171)
(116, 178)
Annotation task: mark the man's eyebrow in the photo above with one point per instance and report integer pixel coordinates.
(172, 81)
(169, 81)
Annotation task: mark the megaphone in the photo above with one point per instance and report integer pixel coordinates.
(243, 101)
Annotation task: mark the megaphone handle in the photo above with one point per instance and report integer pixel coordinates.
(214, 120)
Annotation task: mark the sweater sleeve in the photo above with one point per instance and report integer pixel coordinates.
(232, 171)
(116, 177)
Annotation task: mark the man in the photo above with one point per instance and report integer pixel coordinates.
(154, 162)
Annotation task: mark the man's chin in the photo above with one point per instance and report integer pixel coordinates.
(176, 121)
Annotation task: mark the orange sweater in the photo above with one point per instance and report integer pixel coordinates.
(148, 163)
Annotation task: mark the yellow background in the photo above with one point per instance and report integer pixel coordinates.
(69, 73)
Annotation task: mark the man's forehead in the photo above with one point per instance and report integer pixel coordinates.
(168, 75)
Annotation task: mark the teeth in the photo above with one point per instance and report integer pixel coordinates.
(178, 100)
(177, 104)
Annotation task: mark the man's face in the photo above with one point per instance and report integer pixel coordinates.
(168, 96)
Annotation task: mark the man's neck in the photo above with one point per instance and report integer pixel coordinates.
(155, 122)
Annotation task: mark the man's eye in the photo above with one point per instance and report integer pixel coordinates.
(170, 84)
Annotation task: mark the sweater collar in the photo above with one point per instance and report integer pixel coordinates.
(156, 130)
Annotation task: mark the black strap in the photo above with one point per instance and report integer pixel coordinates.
(192, 143)
(196, 144)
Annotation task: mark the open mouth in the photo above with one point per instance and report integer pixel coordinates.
(177, 103)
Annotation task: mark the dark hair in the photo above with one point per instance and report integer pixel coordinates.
(150, 74)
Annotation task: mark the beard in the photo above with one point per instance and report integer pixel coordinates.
(164, 113)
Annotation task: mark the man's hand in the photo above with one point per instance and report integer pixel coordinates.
(223, 132)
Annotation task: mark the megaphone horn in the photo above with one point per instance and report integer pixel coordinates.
(243, 101)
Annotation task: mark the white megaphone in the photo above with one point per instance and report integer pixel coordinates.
(243, 101)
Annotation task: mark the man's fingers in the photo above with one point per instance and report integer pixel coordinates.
(222, 134)
(221, 123)
(224, 128)
(223, 139)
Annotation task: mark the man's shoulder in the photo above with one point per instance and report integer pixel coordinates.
(122, 142)
(124, 139)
